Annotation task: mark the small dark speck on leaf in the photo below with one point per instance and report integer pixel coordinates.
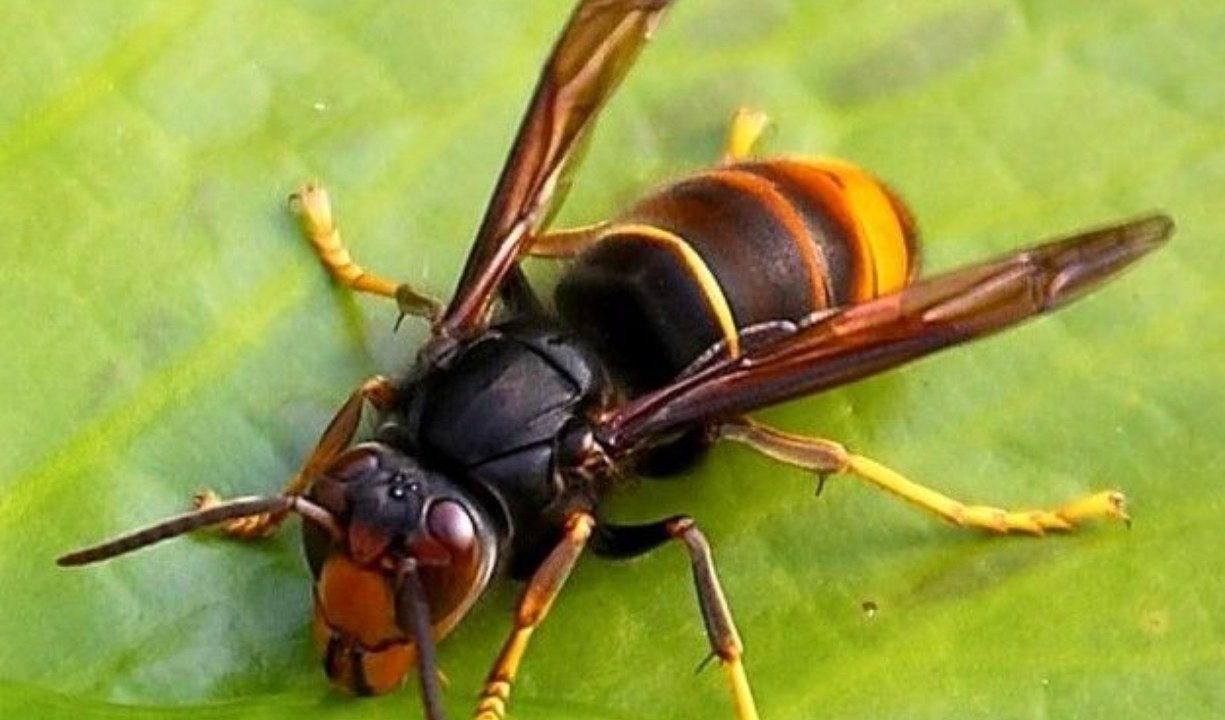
(1155, 623)
(869, 608)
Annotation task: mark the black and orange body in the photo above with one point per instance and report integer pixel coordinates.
(699, 261)
(739, 287)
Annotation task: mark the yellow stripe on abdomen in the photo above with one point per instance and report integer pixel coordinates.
(716, 301)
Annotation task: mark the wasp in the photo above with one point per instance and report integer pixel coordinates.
(754, 282)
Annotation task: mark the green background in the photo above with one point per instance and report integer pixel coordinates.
(163, 329)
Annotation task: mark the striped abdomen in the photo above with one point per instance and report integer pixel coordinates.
(743, 244)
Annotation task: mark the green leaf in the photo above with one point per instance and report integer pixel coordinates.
(165, 330)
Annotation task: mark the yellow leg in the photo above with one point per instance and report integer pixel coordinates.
(725, 641)
(534, 605)
(314, 210)
(567, 243)
(628, 541)
(825, 456)
(334, 440)
(747, 126)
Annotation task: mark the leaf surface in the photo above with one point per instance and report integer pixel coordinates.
(165, 330)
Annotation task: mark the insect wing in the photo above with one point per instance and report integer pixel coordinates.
(864, 339)
(594, 52)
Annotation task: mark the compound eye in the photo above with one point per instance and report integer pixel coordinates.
(450, 524)
(354, 466)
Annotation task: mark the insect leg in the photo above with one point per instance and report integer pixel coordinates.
(624, 541)
(314, 211)
(561, 244)
(534, 605)
(335, 438)
(826, 456)
(747, 126)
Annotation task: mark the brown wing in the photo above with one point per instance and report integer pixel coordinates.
(861, 340)
(594, 52)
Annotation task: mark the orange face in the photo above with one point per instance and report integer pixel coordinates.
(366, 648)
